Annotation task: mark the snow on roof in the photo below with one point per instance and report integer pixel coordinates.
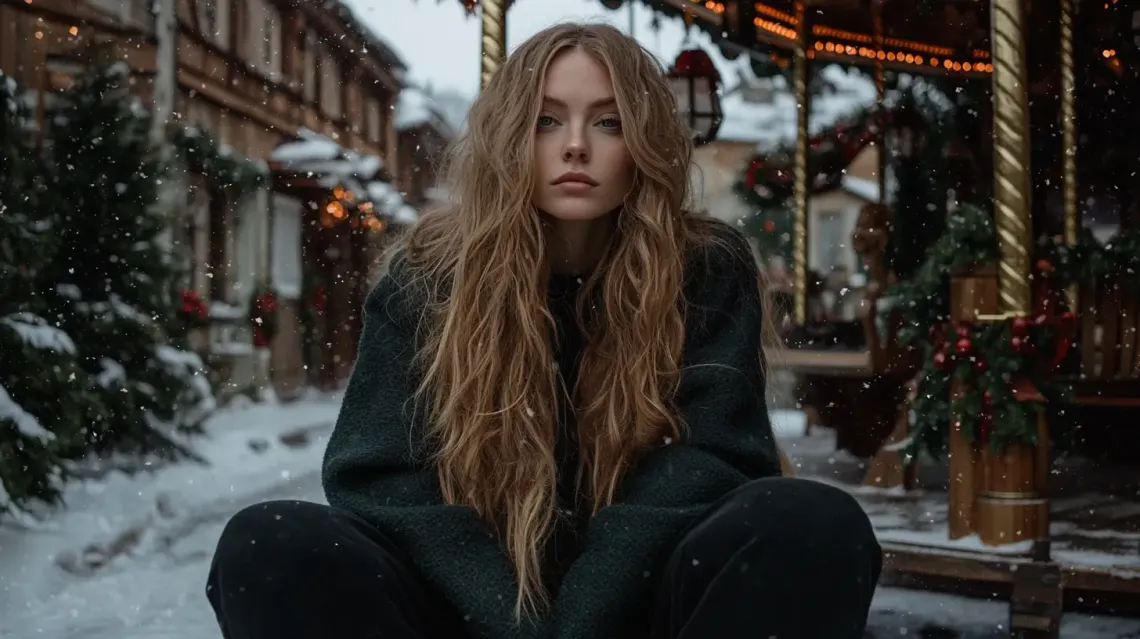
(413, 108)
(311, 147)
(773, 124)
(390, 203)
(332, 163)
(861, 187)
(445, 110)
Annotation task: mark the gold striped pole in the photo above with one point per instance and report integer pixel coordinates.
(1012, 193)
(800, 239)
(1072, 213)
(493, 18)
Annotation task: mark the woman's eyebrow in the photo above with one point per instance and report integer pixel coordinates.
(600, 102)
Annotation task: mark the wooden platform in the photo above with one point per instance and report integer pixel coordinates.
(1095, 528)
(820, 362)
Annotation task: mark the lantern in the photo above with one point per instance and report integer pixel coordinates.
(695, 83)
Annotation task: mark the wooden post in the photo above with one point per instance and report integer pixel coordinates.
(1072, 211)
(1012, 191)
(802, 179)
(1013, 505)
(972, 294)
(494, 24)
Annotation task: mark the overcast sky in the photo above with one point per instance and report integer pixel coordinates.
(440, 43)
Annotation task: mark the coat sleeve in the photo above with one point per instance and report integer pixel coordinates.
(608, 591)
(372, 470)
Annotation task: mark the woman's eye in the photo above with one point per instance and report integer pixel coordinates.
(545, 121)
(609, 123)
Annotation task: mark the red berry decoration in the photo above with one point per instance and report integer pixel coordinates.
(941, 361)
(987, 398)
(963, 330)
(980, 365)
(964, 346)
(1016, 343)
(1020, 326)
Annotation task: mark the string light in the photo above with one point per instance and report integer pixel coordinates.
(899, 51)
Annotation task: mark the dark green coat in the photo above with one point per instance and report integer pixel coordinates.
(371, 468)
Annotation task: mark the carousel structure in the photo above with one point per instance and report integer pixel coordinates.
(991, 386)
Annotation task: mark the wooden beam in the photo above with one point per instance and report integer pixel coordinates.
(70, 12)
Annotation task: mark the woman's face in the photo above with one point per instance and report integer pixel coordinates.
(583, 168)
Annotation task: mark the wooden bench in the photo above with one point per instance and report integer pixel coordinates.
(1108, 344)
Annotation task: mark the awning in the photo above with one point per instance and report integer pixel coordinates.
(312, 166)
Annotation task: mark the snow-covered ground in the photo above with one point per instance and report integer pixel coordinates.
(128, 558)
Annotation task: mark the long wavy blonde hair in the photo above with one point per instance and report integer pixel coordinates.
(487, 341)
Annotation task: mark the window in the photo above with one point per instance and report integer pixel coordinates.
(331, 85)
(830, 241)
(372, 115)
(310, 79)
(213, 20)
(268, 28)
(264, 41)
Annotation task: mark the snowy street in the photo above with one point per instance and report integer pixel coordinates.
(128, 559)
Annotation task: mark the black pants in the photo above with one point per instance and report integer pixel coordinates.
(786, 558)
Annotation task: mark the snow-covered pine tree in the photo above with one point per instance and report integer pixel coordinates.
(46, 398)
(114, 278)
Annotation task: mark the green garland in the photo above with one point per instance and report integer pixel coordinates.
(994, 361)
(1091, 261)
(223, 172)
(768, 180)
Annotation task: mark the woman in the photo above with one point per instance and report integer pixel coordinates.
(556, 426)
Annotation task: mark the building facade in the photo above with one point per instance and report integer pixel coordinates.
(301, 89)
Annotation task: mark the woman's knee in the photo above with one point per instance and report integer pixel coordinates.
(272, 532)
(790, 514)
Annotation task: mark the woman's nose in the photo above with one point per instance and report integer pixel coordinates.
(575, 150)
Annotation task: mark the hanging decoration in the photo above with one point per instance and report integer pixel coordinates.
(696, 85)
(343, 208)
(263, 307)
(223, 172)
(997, 363)
(192, 310)
(769, 179)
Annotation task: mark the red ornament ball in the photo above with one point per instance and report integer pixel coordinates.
(1020, 326)
(980, 366)
(964, 346)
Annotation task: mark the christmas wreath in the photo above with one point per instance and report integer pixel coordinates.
(769, 179)
(263, 317)
(192, 310)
